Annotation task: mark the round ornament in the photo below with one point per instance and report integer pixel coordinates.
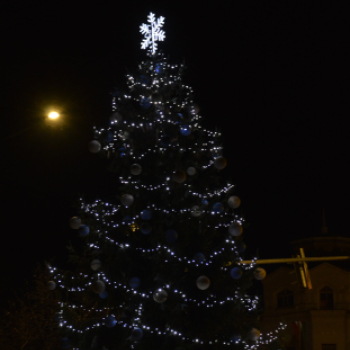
(98, 286)
(171, 236)
(94, 146)
(136, 333)
(236, 273)
(158, 68)
(235, 229)
(127, 199)
(254, 334)
(259, 273)
(196, 211)
(75, 222)
(95, 264)
(220, 163)
(234, 202)
(191, 171)
(103, 295)
(179, 176)
(110, 322)
(116, 117)
(205, 202)
(51, 285)
(185, 130)
(146, 215)
(199, 258)
(65, 343)
(83, 230)
(146, 228)
(134, 282)
(136, 169)
(203, 282)
(160, 296)
(218, 208)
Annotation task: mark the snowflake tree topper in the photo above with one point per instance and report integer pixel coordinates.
(152, 33)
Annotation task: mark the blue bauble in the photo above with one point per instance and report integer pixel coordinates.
(218, 208)
(241, 247)
(146, 228)
(171, 236)
(145, 103)
(83, 230)
(165, 141)
(136, 333)
(103, 295)
(185, 130)
(122, 152)
(199, 258)
(158, 68)
(65, 343)
(236, 273)
(205, 202)
(134, 282)
(180, 115)
(146, 215)
(110, 322)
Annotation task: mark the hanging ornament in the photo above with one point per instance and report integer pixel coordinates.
(196, 211)
(115, 118)
(259, 273)
(171, 236)
(205, 202)
(191, 171)
(83, 230)
(110, 321)
(134, 282)
(136, 169)
(94, 146)
(218, 208)
(199, 258)
(254, 334)
(234, 202)
(65, 343)
(98, 286)
(158, 68)
(51, 285)
(235, 229)
(185, 130)
(203, 282)
(146, 228)
(220, 163)
(124, 135)
(95, 264)
(75, 222)
(127, 200)
(146, 215)
(160, 296)
(236, 273)
(103, 295)
(136, 333)
(179, 176)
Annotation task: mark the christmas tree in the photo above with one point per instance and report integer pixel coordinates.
(160, 266)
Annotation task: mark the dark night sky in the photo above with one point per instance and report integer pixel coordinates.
(271, 75)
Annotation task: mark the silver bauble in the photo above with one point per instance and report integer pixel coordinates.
(160, 296)
(75, 222)
(234, 202)
(196, 211)
(203, 282)
(179, 176)
(51, 285)
(127, 199)
(136, 169)
(191, 171)
(235, 229)
(259, 273)
(95, 264)
(254, 334)
(98, 287)
(94, 146)
(220, 163)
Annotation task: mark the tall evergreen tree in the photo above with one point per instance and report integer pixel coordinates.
(160, 265)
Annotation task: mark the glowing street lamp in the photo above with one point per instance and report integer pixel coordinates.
(53, 115)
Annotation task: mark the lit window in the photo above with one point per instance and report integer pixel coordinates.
(285, 299)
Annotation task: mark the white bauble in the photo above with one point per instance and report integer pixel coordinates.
(220, 163)
(116, 117)
(235, 229)
(127, 199)
(94, 146)
(196, 211)
(160, 296)
(136, 169)
(254, 334)
(203, 282)
(234, 202)
(51, 285)
(179, 176)
(95, 264)
(98, 286)
(259, 273)
(75, 222)
(191, 171)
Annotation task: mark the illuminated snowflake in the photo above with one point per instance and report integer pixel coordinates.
(152, 32)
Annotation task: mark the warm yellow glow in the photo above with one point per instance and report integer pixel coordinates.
(53, 115)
